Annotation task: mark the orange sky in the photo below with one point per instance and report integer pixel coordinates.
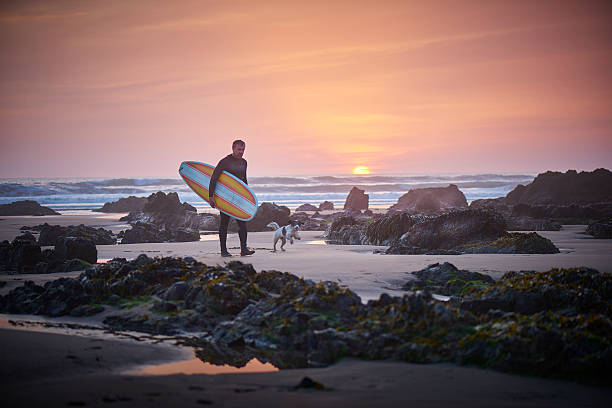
(132, 88)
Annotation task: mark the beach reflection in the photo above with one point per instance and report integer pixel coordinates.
(197, 366)
(316, 243)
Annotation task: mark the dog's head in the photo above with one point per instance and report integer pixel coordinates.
(295, 231)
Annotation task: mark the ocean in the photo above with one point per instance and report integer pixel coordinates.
(81, 195)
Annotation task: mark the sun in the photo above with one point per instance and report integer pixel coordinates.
(361, 170)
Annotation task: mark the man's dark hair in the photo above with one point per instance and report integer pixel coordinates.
(238, 142)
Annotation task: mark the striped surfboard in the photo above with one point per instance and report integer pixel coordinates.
(232, 195)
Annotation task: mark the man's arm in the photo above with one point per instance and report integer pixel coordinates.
(213, 183)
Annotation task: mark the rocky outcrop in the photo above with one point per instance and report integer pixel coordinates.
(24, 255)
(446, 279)
(432, 200)
(552, 323)
(26, 207)
(512, 243)
(76, 248)
(326, 206)
(50, 233)
(267, 213)
(144, 232)
(565, 188)
(357, 200)
(553, 199)
(307, 207)
(164, 218)
(600, 229)
(451, 230)
(128, 204)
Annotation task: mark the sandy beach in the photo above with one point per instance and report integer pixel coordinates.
(71, 370)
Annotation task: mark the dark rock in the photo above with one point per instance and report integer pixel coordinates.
(20, 256)
(86, 310)
(454, 229)
(346, 230)
(26, 207)
(144, 232)
(431, 200)
(326, 206)
(357, 200)
(600, 229)
(390, 228)
(513, 243)
(50, 233)
(267, 213)
(161, 202)
(446, 279)
(565, 188)
(177, 291)
(306, 207)
(128, 204)
(76, 248)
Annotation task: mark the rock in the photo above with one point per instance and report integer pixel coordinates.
(513, 243)
(177, 291)
(144, 232)
(600, 229)
(128, 204)
(565, 188)
(306, 207)
(267, 213)
(20, 256)
(455, 229)
(431, 200)
(446, 279)
(76, 248)
(326, 206)
(161, 202)
(346, 230)
(387, 229)
(528, 292)
(50, 233)
(25, 207)
(356, 200)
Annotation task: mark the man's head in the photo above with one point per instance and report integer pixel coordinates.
(238, 148)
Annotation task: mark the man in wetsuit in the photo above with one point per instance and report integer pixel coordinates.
(236, 165)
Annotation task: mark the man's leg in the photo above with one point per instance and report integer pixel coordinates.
(242, 233)
(223, 223)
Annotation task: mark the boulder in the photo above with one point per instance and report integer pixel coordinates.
(26, 207)
(76, 248)
(600, 229)
(326, 206)
(357, 200)
(161, 202)
(128, 204)
(431, 200)
(266, 213)
(306, 207)
(50, 233)
(447, 279)
(454, 229)
(20, 256)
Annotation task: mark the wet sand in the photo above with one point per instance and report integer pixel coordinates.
(54, 370)
(43, 369)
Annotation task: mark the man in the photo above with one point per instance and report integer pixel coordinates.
(236, 165)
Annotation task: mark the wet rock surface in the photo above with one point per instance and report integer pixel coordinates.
(25, 207)
(554, 323)
(307, 207)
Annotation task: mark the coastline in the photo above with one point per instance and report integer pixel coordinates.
(82, 379)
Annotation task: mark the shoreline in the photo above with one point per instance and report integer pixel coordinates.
(76, 371)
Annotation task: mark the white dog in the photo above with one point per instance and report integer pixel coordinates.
(288, 232)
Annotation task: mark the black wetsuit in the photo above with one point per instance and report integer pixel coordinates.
(237, 167)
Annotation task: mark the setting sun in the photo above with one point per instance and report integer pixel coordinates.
(361, 170)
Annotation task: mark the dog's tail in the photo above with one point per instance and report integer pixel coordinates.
(273, 225)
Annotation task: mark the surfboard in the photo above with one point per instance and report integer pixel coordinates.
(232, 195)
